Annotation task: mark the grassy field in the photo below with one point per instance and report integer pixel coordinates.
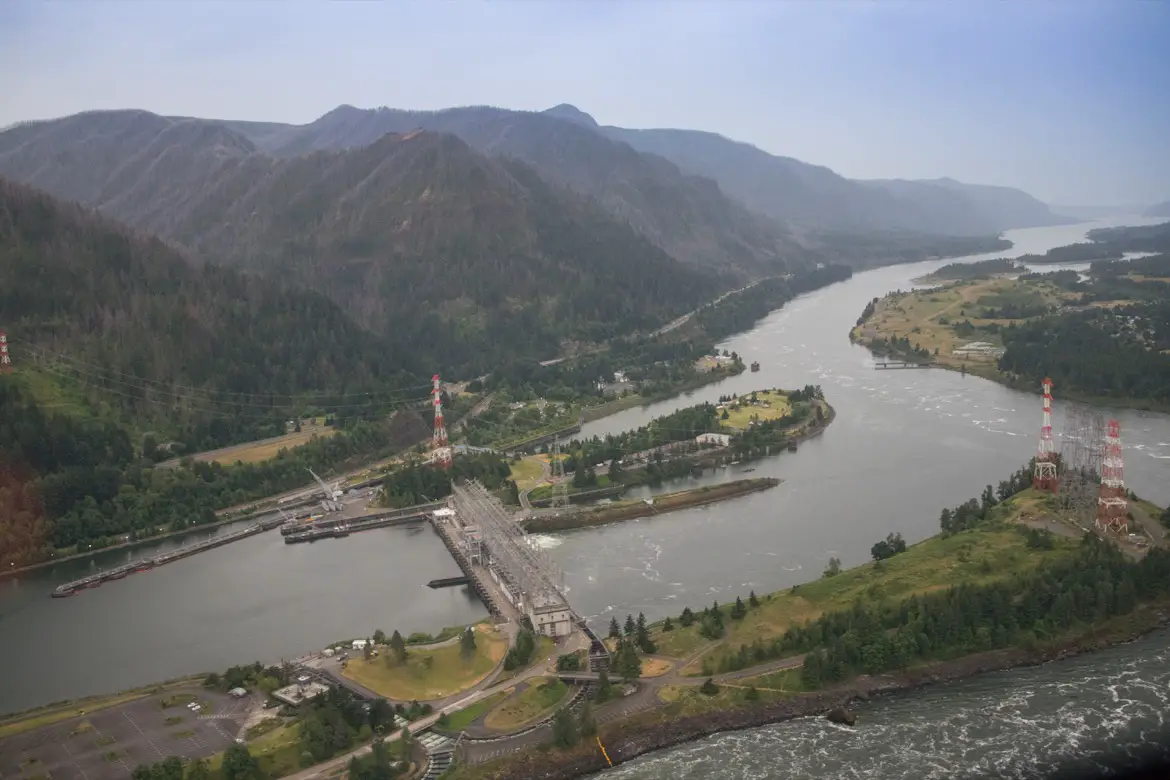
(983, 555)
(431, 674)
(655, 667)
(527, 471)
(684, 700)
(928, 317)
(520, 709)
(277, 751)
(464, 718)
(769, 406)
(267, 449)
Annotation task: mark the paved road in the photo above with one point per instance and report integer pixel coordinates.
(458, 702)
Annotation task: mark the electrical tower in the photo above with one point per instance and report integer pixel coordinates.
(560, 488)
(5, 358)
(1044, 476)
(1081, 456)
(442, 452)
(1111, 504)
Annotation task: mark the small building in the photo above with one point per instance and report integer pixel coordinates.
(239, 693)
(550, 616)
(716, 439)
(297, 694)
(445, 513)
(359, 644)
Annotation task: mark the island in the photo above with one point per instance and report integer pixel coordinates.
(1101, 335)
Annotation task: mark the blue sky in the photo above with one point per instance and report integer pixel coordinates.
(1068, 100)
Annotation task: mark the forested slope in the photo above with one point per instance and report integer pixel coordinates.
(208, 354)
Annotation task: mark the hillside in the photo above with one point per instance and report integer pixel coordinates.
(457, 256)
(1158, 210)
(685, 215)
(812, 195)
(453, 255)
(122, 323)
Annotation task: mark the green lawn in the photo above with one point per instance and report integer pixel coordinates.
(526, 471)
(539, 698)
(464, 718)
(777, 406)
(431, 674)
(983, 555)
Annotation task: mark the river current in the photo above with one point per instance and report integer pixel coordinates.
(904, 445)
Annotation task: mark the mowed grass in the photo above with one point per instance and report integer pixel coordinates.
(684, 700)
(266, 450)
(466, 716)
(430, 674)
(655, 667)
(978, 556)
(278, 752)
(769, 406)
(539, 698)
(526, 471)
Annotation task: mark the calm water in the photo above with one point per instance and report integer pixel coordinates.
(904, 445)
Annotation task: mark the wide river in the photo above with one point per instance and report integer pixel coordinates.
(904, 445)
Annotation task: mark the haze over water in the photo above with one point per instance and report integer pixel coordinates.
(904, 445)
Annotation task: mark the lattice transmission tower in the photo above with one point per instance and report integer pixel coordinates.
(1081, 454)
(1112, 506)
(442, 452)
(5, 358)
(1044, 476)
(560, 488)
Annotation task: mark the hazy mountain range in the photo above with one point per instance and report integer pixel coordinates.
(467, 230)
(1158, 210)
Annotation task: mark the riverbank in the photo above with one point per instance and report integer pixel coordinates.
(654, 730)
(629, 510)
(959, 325)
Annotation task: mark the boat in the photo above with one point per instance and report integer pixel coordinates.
(755, 366)
(117, 575)
(745, 471)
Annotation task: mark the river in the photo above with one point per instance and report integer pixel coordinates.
(904, 445)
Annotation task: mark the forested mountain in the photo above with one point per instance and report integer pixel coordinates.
(457, 256)
(1158, 210)
(207, 352)
(814, 196)
(686, 215)
(152, 171)
(462, 258)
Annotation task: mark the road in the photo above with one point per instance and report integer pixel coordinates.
(540, 669)
(678, 323)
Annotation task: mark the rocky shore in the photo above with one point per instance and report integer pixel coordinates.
(635, 739)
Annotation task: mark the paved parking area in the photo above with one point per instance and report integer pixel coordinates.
(109, 743)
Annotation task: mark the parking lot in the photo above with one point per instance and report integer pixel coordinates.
(108, 744)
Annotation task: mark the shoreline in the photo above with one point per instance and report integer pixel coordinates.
(631, 510)
(632, 740)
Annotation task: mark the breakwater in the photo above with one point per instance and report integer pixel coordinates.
(628, 510)
(146, 564)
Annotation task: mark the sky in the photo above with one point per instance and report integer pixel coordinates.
(1067, 100)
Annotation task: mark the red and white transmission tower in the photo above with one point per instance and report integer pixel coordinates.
(442, 452)
(1044, 475)
(5, 358)
(1111, 502)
